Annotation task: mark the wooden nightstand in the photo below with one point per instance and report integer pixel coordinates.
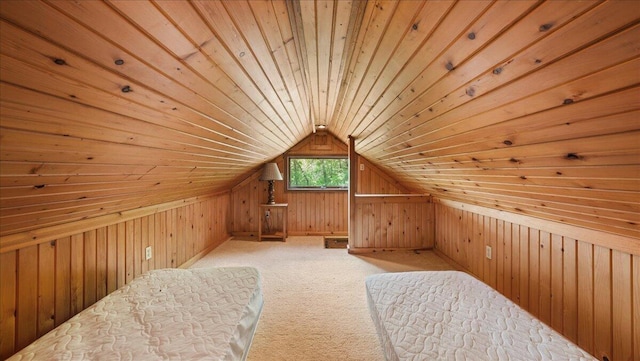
(281, 209)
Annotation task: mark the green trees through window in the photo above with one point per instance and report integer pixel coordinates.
(317, 173)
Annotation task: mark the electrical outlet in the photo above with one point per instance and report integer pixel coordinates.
(488, 252)
(267, 213)
(361, 166)
(147, 253)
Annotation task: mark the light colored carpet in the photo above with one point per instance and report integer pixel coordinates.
(315, 302)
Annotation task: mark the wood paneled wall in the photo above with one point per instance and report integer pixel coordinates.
(372, 180)
(389, 222)
(43, 285)
(585, 290)
(310, 212)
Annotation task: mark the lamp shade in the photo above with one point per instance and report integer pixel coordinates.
(270, 172)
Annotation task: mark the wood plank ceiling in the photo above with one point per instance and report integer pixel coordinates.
(525, 106)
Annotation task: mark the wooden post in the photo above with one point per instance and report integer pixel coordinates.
(353, 181)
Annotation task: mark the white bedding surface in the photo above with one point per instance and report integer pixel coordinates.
(168, 314)
(449, 315)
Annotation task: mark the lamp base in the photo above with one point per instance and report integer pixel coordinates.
(271, 199)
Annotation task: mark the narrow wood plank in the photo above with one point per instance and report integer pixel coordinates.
(112, 258)
(90, 268)
(46, 287)
(63, 280)
(515, 263)
(8, 306)
(557, 282)
(477, 243)
(545, 278)
(621, 288)
(524, 267)
(534, 272)
(144, 242)
(161, 240)
(489, 232)
(635, 284)
(499, 256)
(174, 237)
(570, 290)
(101, 262)
(181, 235)
(129, 251)
(77, 273)
(507, 242)
(27, 296)
(463, 238)
(602, 302)
(138, 250)
(586, 299)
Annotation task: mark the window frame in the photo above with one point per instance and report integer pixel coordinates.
(288, 186)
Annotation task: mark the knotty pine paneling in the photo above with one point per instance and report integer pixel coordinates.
(584, 290)
(372, 180)
(309, 212)
(42, 285)
(390, 222)
(528, 106)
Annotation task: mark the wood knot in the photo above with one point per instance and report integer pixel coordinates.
(545, 27)
(119, 62)
(572, 156)
(471, 36)
(59, 61)
(126, 89)
(471, 91)
(415, 26)
(497, 71)
(567, 101)
(449, 66)
(508, 142)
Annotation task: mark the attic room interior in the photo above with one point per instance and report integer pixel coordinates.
(494, 145)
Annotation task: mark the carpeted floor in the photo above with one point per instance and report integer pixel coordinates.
(315, 301)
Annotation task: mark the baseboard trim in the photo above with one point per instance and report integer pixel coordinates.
(201, 254)
(364, 250)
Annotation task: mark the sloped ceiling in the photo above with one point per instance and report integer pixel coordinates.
(526, 106)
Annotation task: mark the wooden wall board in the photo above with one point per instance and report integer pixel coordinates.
(622, 306)
(45, 284)
(392, 222)
(310, 212)
(109, 107)
(8, 306)
(583, 290)
(570, 290)
(46, 288)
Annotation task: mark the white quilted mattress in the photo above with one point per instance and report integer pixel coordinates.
(449, 315)
(170, 314)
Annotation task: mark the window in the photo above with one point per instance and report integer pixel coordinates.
(317, 173)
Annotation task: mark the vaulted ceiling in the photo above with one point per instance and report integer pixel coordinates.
(526, 106)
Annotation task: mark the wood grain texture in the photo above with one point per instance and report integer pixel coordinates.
(583, 290)
(392, 222)
(310, 212)
(43, 285)
(528, 107)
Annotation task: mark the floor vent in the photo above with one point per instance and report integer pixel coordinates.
(336, 241)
